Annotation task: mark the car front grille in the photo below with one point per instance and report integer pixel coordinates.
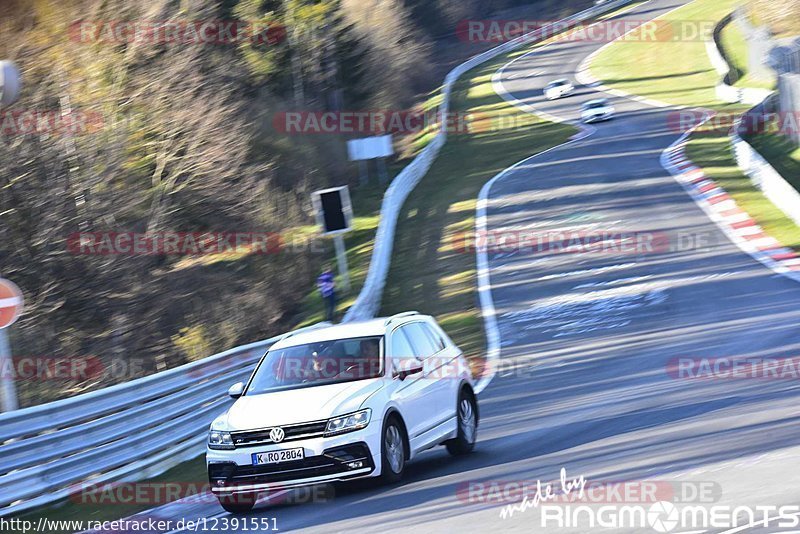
(331, 462)
(248, 438)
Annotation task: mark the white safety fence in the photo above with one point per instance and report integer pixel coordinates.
(368, 302)
(142, 428)
(761, 173)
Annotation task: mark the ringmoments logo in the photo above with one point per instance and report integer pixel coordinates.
(644, 506)
(664, 516)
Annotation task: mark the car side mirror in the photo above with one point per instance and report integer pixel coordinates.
(236, 390)
(408, 367)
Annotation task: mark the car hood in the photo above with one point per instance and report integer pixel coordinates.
(296, 405)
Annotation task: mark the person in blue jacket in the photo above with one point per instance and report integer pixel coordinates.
(327, 289)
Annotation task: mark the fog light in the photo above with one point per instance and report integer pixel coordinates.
(355, 465)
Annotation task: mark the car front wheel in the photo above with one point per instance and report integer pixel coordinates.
(393, 451)
(467, 417)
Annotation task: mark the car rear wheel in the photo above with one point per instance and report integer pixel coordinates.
(239, 504)
(467, 417)
(393, 451)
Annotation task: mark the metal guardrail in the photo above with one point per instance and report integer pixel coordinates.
(125, 432)
(368, 302)
(142, 428)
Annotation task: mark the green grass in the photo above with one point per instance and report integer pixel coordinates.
(781, 153)
(690, 82)
(667, 69)
(428, 273)
(99, 508)
(714, 154)
(735, 47)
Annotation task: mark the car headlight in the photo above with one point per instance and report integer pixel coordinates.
(348, 423)
(220, 440)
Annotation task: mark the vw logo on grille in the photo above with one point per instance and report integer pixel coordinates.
(276, 434)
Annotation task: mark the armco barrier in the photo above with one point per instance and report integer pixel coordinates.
(368, 302)
(761, 173)
(125, 432)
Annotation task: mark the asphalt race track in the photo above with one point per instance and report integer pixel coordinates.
(591, 335)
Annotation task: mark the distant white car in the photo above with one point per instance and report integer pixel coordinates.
(597, 110)
(558, 88)
(349, 401)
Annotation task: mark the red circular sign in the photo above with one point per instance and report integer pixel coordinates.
(10, 302)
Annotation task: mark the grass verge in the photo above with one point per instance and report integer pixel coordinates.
(712, 152)
(781, 153)
(690, 82)
(429, 272)
(736, 48)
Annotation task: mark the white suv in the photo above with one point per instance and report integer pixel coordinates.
(349, 401)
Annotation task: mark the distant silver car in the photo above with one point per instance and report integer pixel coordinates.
(597, 110)
(558, 88)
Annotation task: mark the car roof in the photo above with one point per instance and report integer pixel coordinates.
(596, 101)
(559, 81)
(371, 327)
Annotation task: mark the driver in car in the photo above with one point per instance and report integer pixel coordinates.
(370, 357)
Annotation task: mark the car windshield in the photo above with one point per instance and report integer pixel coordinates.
(595, 105)
(315, 364)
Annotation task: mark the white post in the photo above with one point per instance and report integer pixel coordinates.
(8, 389)
(341, 259)
(10, 85)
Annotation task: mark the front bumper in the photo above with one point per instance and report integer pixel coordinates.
(338, 458)
(597, 118)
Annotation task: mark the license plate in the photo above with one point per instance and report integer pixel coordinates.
(277, 457)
